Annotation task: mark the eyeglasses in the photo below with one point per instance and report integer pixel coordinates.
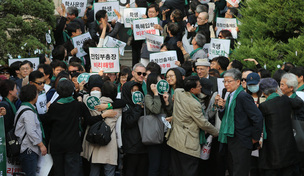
(25, 68)
(141, 73)
(228, 81)
(243, 79)
(170, 76)
(4, 73)
(201, 69)
(39, 83)
(72, 72)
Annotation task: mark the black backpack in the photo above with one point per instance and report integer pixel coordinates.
(99, 133)
(13, 144)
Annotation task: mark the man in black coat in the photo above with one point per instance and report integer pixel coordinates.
(241, 125)
(279, 154)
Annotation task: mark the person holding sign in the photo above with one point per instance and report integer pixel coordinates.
(136, 159)
(159, 154)
(172, 40)
(95, 28)
(73, 30)
(72, 16)
(185, 137)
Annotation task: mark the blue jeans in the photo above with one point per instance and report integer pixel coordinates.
(29, 161)
(109, 170)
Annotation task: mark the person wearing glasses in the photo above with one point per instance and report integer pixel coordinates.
(245, 73)
(37, 79)
(202, 70)
(242, 124)
(6, 71)
(139, 74)
(26, 67)
(75, 67)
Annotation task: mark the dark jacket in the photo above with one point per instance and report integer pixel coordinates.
(80, 22)
(172, 45)
(204, 29)
(279, 149)
(95, 30)
(9, 117)
(131, 138)
(248, 120)
(58, 32)
(214, 83)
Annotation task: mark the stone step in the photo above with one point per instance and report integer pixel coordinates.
(126, 59)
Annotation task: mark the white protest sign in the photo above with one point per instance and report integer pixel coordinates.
(41, 104)
(140, 27)
(81, 5)
(34, 60)
(78, 43)
(220, 87)
(234, 3)
(109, 7)
(165, 60)
(131, 14)
(229, 24)
(111, 42)
(206, 47)
(219, 47)
(204, 1)
(44, 165)
(11, 168)
(106, 59)
(154, 42)
(186, 43)
(211, 11)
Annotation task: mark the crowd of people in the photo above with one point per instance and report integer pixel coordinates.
(254, 118)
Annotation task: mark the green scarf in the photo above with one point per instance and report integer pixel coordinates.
(202, 132)
(53, 78)
(66, 100)
(222, 74)
(271, 96)
(194, 51)
(130, 32)
(118, 88)
(193, 74)
(12, 105)
(35, 111)
(293, 95)
(172, 91)
(144, 87)
(301, 88)
(227, 126)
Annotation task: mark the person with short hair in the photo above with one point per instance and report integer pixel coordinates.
(275, 157)
(245, 73)
(299, 72)
(184, 137)
(57, 66)
(63, 117)
(29, 129)
(139, 74)
(73, 30)
(72, 16)
(220, 63)
(202, 67)
(47, 72)
(241, 126)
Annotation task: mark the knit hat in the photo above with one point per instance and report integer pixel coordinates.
(268, 83)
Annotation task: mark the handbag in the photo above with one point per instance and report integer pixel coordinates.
(151, 128)
(298, 130)
(12, 141)
(99, 133)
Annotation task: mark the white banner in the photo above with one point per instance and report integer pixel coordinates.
(81, 5)
(229, 24)
(44, 165)
(219, 47)
(140, 27)
(106, 59)
(41, 104)
(233, 2)
(109, 7)
(206, 48)
(78, 43)
(131, 14)
(154, 42)
(111, 42)
(11, 169)
(165, 60)
(34, 60)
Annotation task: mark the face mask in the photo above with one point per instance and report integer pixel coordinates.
(96, 93)
(253, 88)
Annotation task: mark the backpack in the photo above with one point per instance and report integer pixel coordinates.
(13, 144)
(99, 133)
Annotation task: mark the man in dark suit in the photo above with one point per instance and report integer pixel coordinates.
(72, 16)
(202, 67)
(241, 126)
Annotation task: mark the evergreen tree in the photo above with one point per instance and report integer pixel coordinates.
(23, 27)
(271, 32)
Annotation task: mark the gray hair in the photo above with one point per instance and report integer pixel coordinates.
(200, 39)
(201, 8)
(269, 91)
(291, 80)
(205, 14)
(234, 73)
(138, 65)
(72, 11)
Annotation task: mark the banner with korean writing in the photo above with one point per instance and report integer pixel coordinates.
(78, 43)
(154, 42)
(234, 3)
(229, 24)
(111, 42)
(2, 148)
(140, 27)
(106, 59)
(219, 47)
(165, 60)
(81, 5)
(34, 60)
(131, 14)
(109, 7)
(206, 47)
